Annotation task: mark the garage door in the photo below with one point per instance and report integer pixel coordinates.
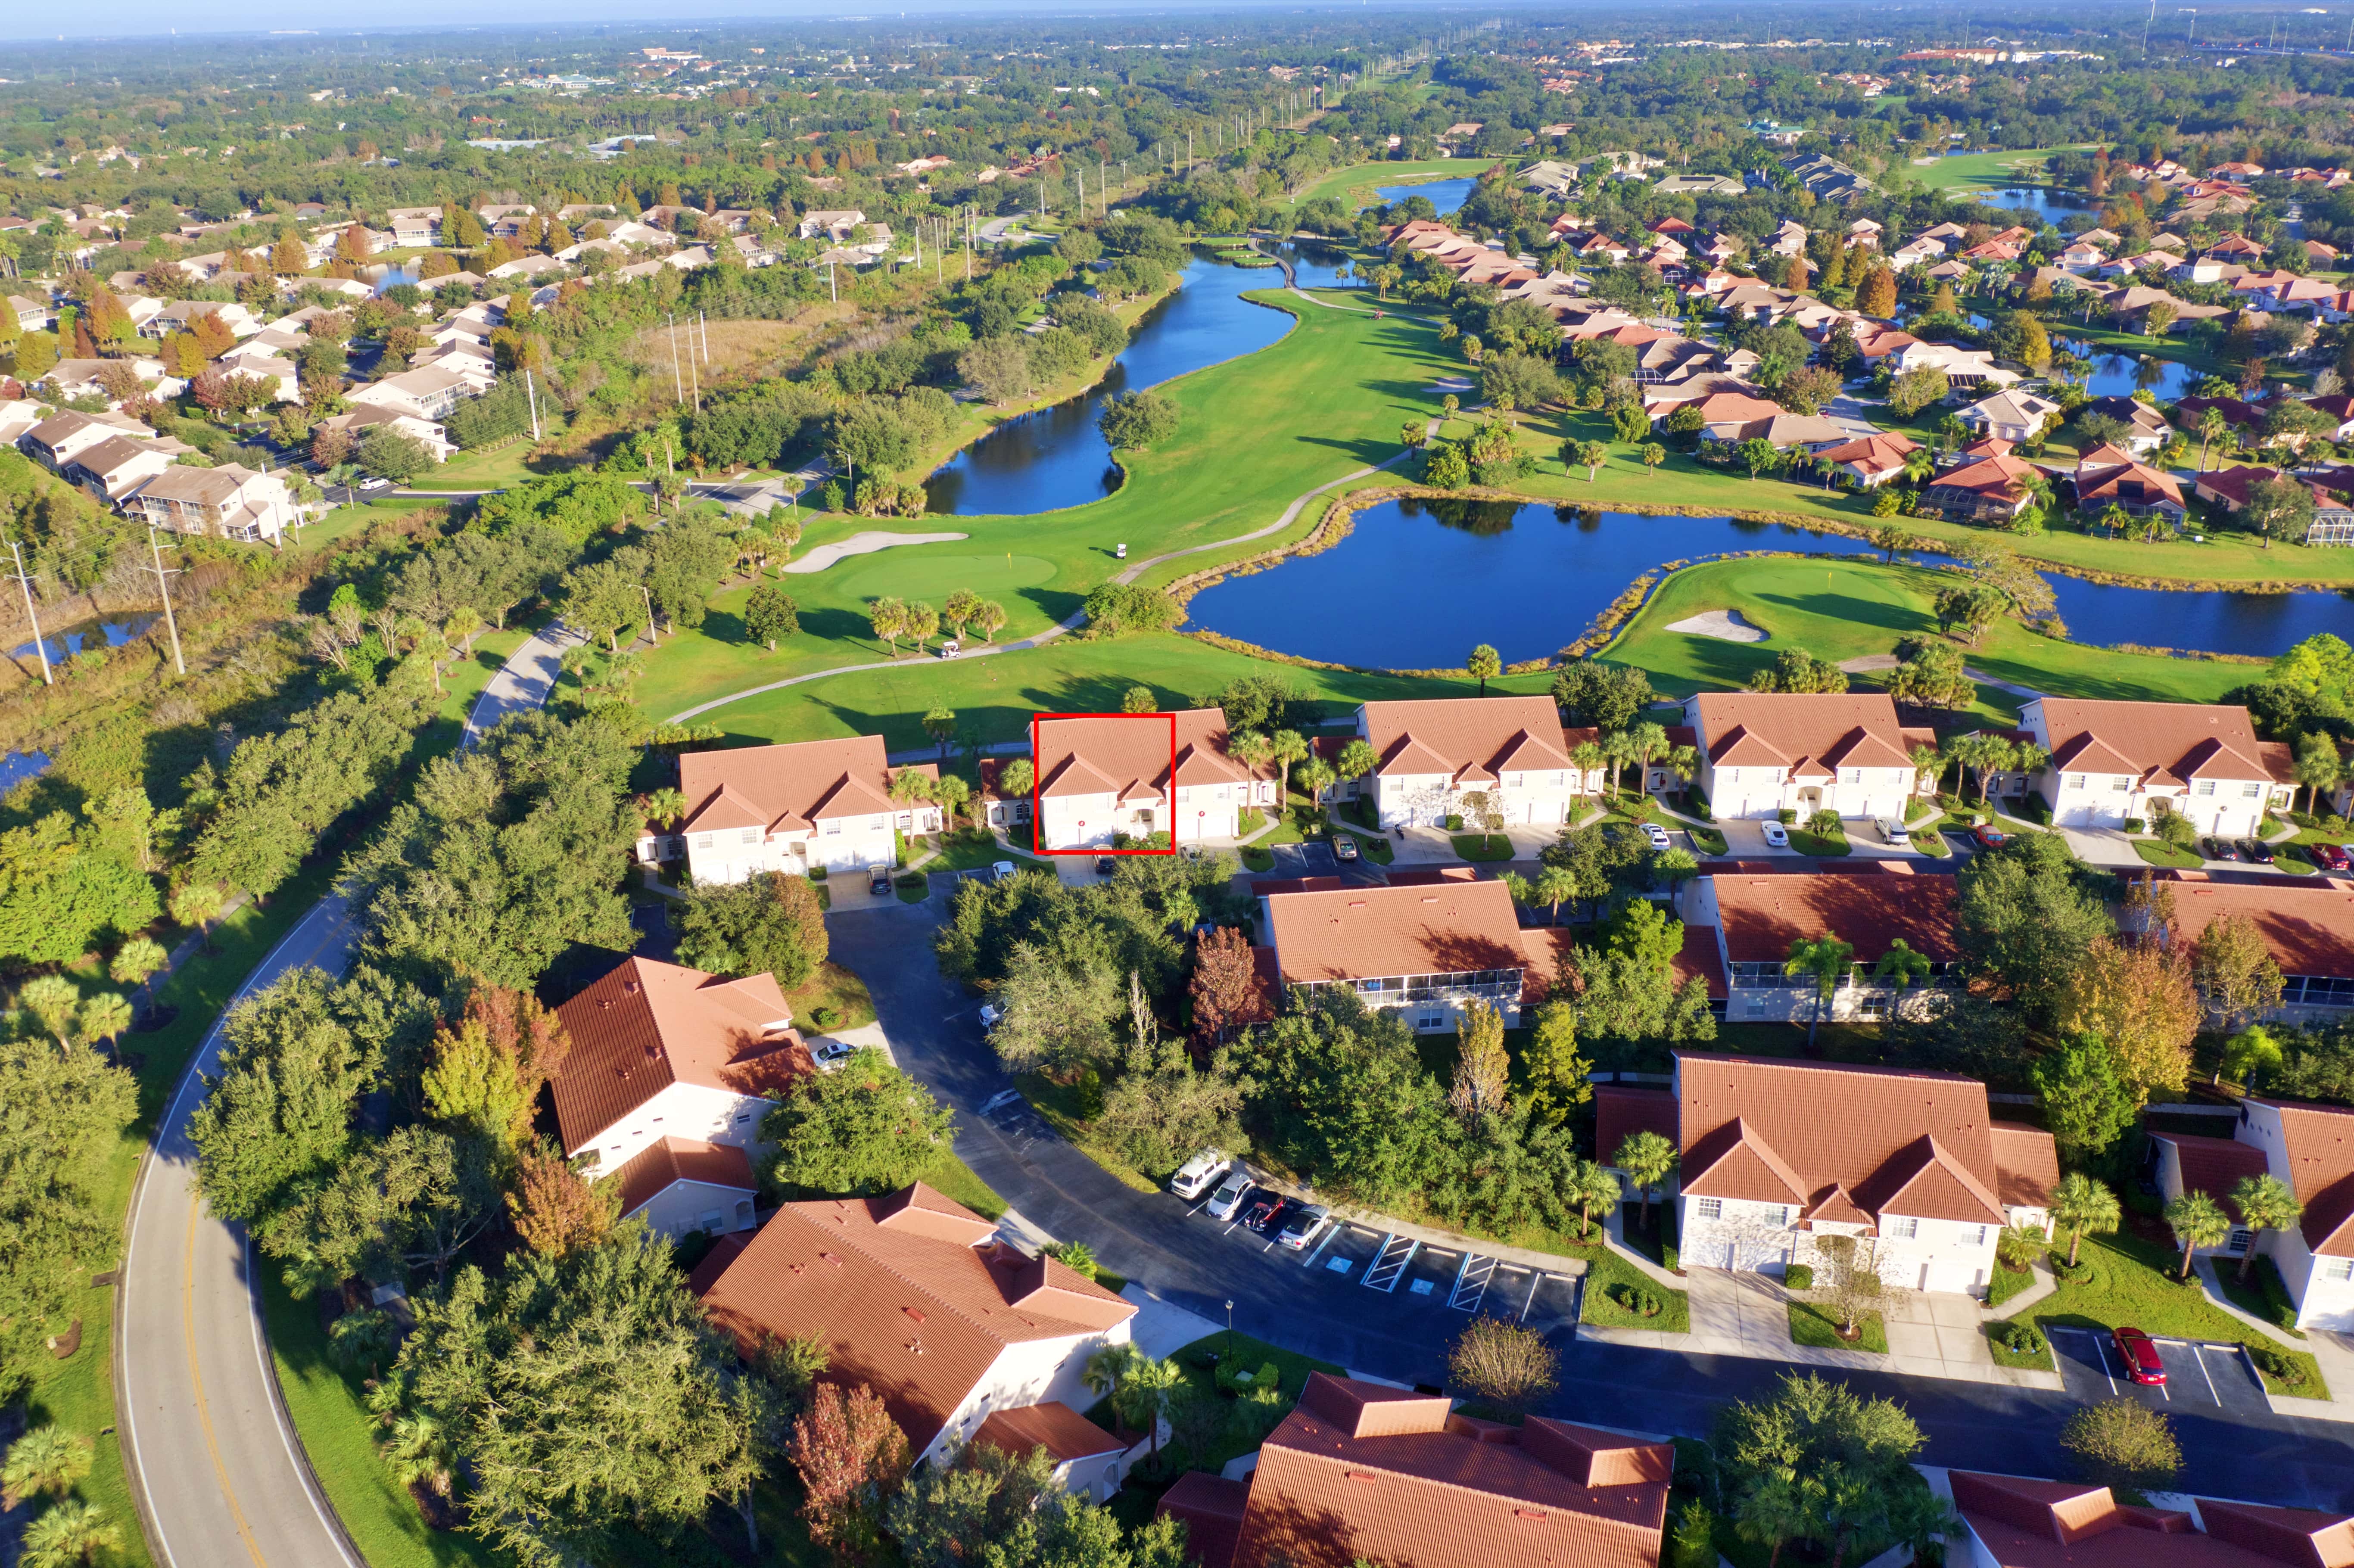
(2339, 1322)
(1753, 1255)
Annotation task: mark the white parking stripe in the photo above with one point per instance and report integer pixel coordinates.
(2208, 1375)
(1534, 1280)
(2102, 1347)
(1329, 1232)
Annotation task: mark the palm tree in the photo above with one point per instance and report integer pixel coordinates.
(1484, 664)
(1902, 965)
(1619, 746)
(1144, 1394)
(1930, 763)
(46, 1460)
(1648, 740)
(105, 1016)
(1586, 756)
(1684, 761)
(2197, 1221)
(1647, 1157)
(1919, 464)
(2265, 1203)
(68, 1534)
(1284, 747)
(1316, 775)
(662, 807)
(1772, 1514)
(419, 1449)
(1107, 1367)
(1591, 1187)
(1251, 749)
(137, 962)
(2213, 426)
(1826, 959)
(1554, 884)
(2083, 1206)
(53, 1001)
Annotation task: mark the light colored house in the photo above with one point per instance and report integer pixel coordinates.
(2009, 1521)
(2116, 760)
(835, 224)
(224, 503)
(1751, 917)
(1365, 1472)
(1422, 947)
(2311, 1148)
(528, 267)
(80, 379)
(366, 418)
(2110, 476)
(914, 1295)
(1431, 754)
(1778, 1155)
(681, 1185)
(1136, 774)
(115, 467)
(814, 804)
(284, 377)
(663, 1051)
(1765, 753)
(2010, 416)
(430, 393)
(1870, 461)
(1087, 1461)
(1994, 488)
(59, 438)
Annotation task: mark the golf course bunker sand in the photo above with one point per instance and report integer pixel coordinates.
(1725, 625)
(865, 544)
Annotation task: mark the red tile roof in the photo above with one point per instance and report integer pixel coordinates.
(2308, 925)
(1761, 916)
(2321, 1169)
(1802, 732)
(1063, 1432)
(646, 1025)
(1889, 1140)
(1211, 1508)
(666, 1162)
(1447, 927)
(1472, 740)
(2027, 1162)
(2214, 1165)
(788, 788)
(1358, 1471)
(1127, 755)
(909, 1294)
(2166, 743)
(1622, 1110)
(2029, 1524)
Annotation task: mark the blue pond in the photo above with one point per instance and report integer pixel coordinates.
(1417, 584)
(1445, 194)
(1054, 458)
(2044, 203)
(65, 645)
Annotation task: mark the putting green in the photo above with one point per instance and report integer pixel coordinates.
(917, 573)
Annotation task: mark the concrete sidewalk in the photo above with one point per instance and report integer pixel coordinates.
(2332, 1353)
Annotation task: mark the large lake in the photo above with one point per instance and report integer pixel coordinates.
(1054, 458)
(1416, 584)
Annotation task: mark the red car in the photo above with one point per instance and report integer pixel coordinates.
(2333, 857)
(2140, 1356)
(1988, 835)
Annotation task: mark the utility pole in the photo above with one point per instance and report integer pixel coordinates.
(702, 332)
(677, 378)
(693, 385)
(163, 586)
(533, 396)
(38, 646)
(833, 293)
(649, 597)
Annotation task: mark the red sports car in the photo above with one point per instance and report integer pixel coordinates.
(2140, 1356)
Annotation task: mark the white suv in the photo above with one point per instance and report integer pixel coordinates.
(1193, 1178)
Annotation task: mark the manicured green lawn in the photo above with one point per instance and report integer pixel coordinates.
(2261, 1295)
(1968, 172)
(954, 1179)
(2157, 852)
(1482, 846)
(1610, 1282)
(489, 470)
(1354, 186)
(831, 986)
(2131, 1282)
(1813, 1325)
(1826, 845)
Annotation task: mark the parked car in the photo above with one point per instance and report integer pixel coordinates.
(2331, 857)
(1268, 1214)
(1776, 836)
(1106, 865)
(830, 1054)
(1989, 836)
(990, 1013)
(1344, 846)
(878, 881)
(2218, 849)
(1002, 872)
(2140, 1356)
(1890, 829)
(376, 484)
(1194, 1177)
(1656, 834)
(2257, 850)
(1305, 1225)
(1230, 1196)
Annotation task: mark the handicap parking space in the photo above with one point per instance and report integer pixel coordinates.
(1343, 1253)
(1430, 1276)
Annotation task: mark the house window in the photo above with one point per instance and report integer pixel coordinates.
(1978, 1239)
(2075, 782)
(1513, 780)
(751, 835)
(1904, 1230)
(1852, 775)
(1778, 1215)
(833, 827)
(2243, 1240)
(2251, 791)
(2338, 1269)
(1711, 1208)
(1430, 1021)
(2119, 786)
(2204, 787)
(703, 840)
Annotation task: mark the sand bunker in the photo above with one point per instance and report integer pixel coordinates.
(1725, 625)
(865, 544)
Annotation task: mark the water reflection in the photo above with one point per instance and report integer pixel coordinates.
(1399, 593)
(2048, 206)
(1445, 194)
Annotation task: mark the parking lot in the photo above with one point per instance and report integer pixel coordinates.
(1360, 1271)
(1318, 860)
(2199, 1375)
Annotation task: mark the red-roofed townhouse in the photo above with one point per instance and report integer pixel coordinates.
(1765, 753)
(1100, 779)
(2308, 926)
(914, 1295)
(661, 1051)
(1430, 754)
(789, 808)
(1360, 1472)
(2311, 1148)
(1776, 1154)
(2010, 1521)
(1422, 947)
(1751, 917)
(678, 1186)
(2111, 762)
(1870, 461)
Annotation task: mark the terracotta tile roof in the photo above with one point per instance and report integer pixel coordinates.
(1358, 1471)
(1698, 959)
(1552, 954)
(1063, 1432)
(2214, 1165)
(2180, 741)
(1466, 738)
(1356, 933)
(2321, 1169)
(2308, 925)
(1752, 729)
(2025, 1163)
(2029, 1524)
(785, 788)
(2005, 477)
(1211, 1508)
(646, 1025)
(1129, 755)
(1896, 1140)
(1763, 915)
(2111, 474)
(909, 1294)
(1622, 1109)
(654, 1169)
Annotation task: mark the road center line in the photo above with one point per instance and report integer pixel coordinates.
(197, 1373)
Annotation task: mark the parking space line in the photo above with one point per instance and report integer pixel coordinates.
(1535, 1279)
(2101, 1349)
(1472, 1281)
(1329, 1232)
(1383, 1274)
(2200, 1357)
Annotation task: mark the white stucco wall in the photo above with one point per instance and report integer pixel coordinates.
(1029, 1374)
(728, 856)
(681, 1110)
(685, 1206)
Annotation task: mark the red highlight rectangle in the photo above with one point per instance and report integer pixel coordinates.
(1037, 783)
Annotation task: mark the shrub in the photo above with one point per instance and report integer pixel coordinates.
(2136, 825)
(1504, 1365)
(1799, 1276)
(1790, 817)
(2279, 1365)
(1454, 824)
(1076, 1256)
(825, 1017)
(2124, 1443)
(2020, 1337)
(2079, 1273)
(1636, 1300)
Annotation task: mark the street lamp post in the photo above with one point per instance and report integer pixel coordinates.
(1230, 1331)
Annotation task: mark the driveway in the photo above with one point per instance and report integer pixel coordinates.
(1318, 860)
(1307, 1304)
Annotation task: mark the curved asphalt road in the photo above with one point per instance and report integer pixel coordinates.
(215, 1468)
(1192, 1261)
